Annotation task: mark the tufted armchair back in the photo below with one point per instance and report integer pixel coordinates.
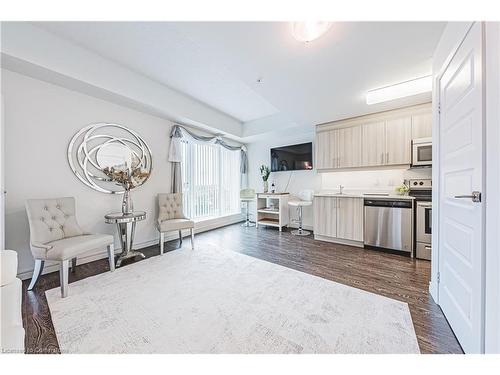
(170, 207)
(52, 219)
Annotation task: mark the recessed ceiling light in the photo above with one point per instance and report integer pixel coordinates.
(310, 30)
(400, 90)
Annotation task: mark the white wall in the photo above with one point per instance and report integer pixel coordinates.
(381, 180)
(40, 119)
(259, 153)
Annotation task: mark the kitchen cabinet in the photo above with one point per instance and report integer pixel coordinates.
(376, 140)
(325, 216)
(349, 147)
(339, 219)
(350, 218)
(421, 125)
(326, 149)
(398, 141)
(373, 144)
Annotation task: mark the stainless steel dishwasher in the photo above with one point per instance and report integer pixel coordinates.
(389, 224)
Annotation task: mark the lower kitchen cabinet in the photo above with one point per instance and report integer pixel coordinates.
(339, 220)
(325, 217)
(350, 218)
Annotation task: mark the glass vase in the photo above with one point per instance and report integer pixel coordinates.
(266, 186)
(127, 204)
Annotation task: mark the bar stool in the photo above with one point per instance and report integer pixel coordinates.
(247, 196)
(304, 199)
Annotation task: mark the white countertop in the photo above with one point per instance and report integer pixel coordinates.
(364, 195)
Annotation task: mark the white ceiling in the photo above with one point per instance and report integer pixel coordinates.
(218, 63)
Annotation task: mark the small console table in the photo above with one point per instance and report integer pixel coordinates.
(126, 230)
(272, 210)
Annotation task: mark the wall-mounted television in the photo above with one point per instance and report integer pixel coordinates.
(292, 158)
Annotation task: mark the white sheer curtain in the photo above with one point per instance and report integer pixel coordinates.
(208, 172)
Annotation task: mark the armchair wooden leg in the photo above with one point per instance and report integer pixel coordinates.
(73, 265)
(162, 242)
(180, 236)
(192, 238)
(63, 276)
(111, 257)
(37, 271)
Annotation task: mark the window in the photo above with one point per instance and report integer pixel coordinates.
(210, 180)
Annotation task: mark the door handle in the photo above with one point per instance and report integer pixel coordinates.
(475, 196)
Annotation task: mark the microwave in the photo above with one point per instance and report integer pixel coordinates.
(421, 155)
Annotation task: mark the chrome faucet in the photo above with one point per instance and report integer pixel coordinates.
(341, 189)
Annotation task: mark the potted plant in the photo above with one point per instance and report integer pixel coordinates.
(403, 189)
(264, 173)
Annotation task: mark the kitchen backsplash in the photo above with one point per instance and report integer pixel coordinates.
(379, 180)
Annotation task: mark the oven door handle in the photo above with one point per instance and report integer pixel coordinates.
(425, 205)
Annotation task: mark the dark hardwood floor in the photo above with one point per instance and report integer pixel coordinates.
(390, 275)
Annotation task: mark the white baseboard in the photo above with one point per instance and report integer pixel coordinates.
(339, 241)
(433, 291)
(200, 226)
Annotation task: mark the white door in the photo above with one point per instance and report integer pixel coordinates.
(461, 173)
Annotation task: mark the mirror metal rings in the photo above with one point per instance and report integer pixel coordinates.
(102, 145)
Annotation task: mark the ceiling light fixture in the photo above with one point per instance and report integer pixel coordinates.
(310, 30)
(400, 90)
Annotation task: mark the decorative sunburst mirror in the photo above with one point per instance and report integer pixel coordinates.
(98, 153)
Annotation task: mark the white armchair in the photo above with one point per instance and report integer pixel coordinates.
(11, 320)
(55, 235)
(171, 217)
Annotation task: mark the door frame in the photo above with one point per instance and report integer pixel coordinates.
(436, 172)
(2, 170)
(492, 114)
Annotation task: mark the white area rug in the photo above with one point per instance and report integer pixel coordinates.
(214, 301)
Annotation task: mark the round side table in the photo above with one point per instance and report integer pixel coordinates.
(126, 230)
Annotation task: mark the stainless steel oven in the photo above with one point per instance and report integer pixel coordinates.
(421, 190)
(424, 222)
(421, 155)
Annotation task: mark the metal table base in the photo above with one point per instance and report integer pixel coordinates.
(126, 231)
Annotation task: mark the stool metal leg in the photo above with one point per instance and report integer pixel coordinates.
(247, 222)
(300, 231)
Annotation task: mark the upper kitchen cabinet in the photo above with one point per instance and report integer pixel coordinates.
(373, 144)
(421, 125)
(349, 147)
(377, 140)
(326, 149)
(398, 141)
